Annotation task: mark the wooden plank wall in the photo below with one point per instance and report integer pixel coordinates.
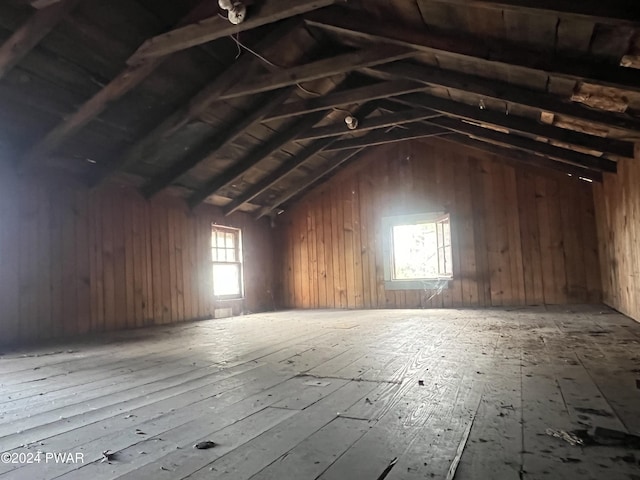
(519, 236)
(74, 261)
(618, 215)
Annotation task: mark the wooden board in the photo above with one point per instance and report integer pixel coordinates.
(513, 231)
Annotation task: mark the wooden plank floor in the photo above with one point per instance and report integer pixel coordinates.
(331, 395)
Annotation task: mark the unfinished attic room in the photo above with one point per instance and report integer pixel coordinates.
(319, 239)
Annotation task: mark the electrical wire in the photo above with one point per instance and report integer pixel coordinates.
(280, 67)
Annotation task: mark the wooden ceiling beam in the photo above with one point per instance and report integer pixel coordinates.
(40, 4)
(274, 177)
(207, 30)
(198, 105)
(522, 143)
(38, 26)
(517, 124)
(572, 67)
(336, 161)
(275, 143)
(345, 97)
(292, 164)
(328, 67)
(617, 12)
(520, 157)
(389, 120)
(116, 88)
(210, 147)
(484, 87)
(383, 136)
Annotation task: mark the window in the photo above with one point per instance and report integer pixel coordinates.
(226, 254)
(417, 251)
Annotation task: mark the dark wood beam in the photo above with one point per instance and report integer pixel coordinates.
(519, 157)
(531, 146)
(389, 120)
(40, 4)
(292, 164)
(207, 30)
(123, 83)
(517, 124)
(382, 136)
(320, 69)
(617, 12)
(210, 147)
(483, 49)
(275, 143)
(335, 162)
(23, 40)
(199, 104)
(506, 92)
(274, 177)
(345, 97)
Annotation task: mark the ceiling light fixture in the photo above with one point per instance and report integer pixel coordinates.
(237, 12)
(351, 121)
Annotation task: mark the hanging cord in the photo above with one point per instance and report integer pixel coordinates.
(269, 62)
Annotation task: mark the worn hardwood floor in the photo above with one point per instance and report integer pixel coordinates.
(332, 395)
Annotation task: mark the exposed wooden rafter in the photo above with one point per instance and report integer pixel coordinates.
(389, 120)
(517, 124)
(40, 4)
(207, 30)
(520, 157)
(275, 143)
(336, 161)
(292, 164)
(614, 11)
(570, 67)
(23, 40)
(506, 92)
(328, 67)
(522, 143)
(345, 97)
(124, 82)
(382, 136)
(284, 169)
(210, 147)
(199, 104)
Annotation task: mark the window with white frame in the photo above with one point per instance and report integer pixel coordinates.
(417, 251)
(226, 254)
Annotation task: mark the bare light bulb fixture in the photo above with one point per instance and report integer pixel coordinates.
(351, 121)
(237, 12)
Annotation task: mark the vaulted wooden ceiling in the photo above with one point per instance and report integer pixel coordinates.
(170, 96)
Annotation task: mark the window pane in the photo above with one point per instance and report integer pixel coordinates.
(229, 240)
(226, 280)
(231, 255)
(449, 269)
(415, 251)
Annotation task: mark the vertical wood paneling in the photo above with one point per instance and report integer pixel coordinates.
(515, 233)
(617, 205)
(75, 261)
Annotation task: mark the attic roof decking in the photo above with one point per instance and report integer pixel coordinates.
(101, 90)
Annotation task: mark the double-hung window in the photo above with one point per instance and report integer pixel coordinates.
(226, 253)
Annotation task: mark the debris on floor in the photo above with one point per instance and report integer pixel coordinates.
(108, 455)
(205, 445)
(387, 470)
(570, 438)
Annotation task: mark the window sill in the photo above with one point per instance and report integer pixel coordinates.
(227, 298)
(430, 284)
